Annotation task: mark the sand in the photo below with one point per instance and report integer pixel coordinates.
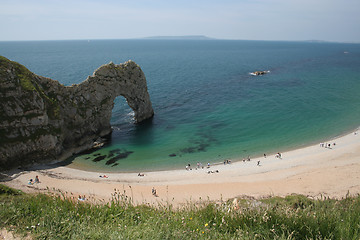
(313, 171)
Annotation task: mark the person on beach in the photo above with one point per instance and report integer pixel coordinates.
(31, 182)
(80, 198)
(153, 191)
(258, 163)
(141, 174)
(264, 155)
(208, 165)
(37, 180)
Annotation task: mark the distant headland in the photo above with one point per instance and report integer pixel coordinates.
(188, 37)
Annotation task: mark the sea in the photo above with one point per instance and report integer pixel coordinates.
(208, 108)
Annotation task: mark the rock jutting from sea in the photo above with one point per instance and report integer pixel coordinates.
(43, 121)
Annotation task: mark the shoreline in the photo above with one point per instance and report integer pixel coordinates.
(233, 159)
(312, 171)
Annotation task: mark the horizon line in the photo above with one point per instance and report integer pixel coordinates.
(180, 37)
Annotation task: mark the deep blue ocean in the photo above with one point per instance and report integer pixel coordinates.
(207, 106)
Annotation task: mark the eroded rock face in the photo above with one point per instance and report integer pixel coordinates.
(44, 121)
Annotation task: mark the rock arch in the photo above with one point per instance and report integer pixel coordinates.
(99, 91)
(127, 80)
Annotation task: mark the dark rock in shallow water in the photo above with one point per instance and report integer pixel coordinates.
(121, 155)
(44, 121)
(112, 160)
(114, 165)
(98, 159)
(114, 152)
(172, 155)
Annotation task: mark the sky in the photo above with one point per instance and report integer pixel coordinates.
(289, 20)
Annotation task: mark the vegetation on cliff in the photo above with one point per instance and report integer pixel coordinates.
(292, 217)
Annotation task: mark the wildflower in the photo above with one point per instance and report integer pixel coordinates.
(265, 217)
(202, 232)
(206, 224)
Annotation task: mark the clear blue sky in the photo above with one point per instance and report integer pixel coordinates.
(331, 20)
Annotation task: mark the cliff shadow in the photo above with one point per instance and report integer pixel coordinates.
(143, 133)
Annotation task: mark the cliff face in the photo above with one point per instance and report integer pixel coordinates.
(44, 121)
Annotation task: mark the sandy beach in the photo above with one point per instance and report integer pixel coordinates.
(313, 171)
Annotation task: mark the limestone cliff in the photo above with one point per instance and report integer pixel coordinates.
(42, 120)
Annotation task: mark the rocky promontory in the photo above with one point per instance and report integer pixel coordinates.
(43, 121)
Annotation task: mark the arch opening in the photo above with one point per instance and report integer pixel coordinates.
(122, 113)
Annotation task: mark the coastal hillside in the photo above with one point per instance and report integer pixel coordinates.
(42, 120)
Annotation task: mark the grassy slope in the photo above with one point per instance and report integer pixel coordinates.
(293, 217)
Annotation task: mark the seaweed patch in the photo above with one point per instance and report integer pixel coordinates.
(115, 151)
(198, 148)
(199, 145)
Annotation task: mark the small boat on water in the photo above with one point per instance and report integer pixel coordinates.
(257, 73)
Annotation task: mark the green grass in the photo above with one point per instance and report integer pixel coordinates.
(24, 75)
(293, 217)
(29, 84)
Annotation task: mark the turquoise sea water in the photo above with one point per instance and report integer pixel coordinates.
(207, 106)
